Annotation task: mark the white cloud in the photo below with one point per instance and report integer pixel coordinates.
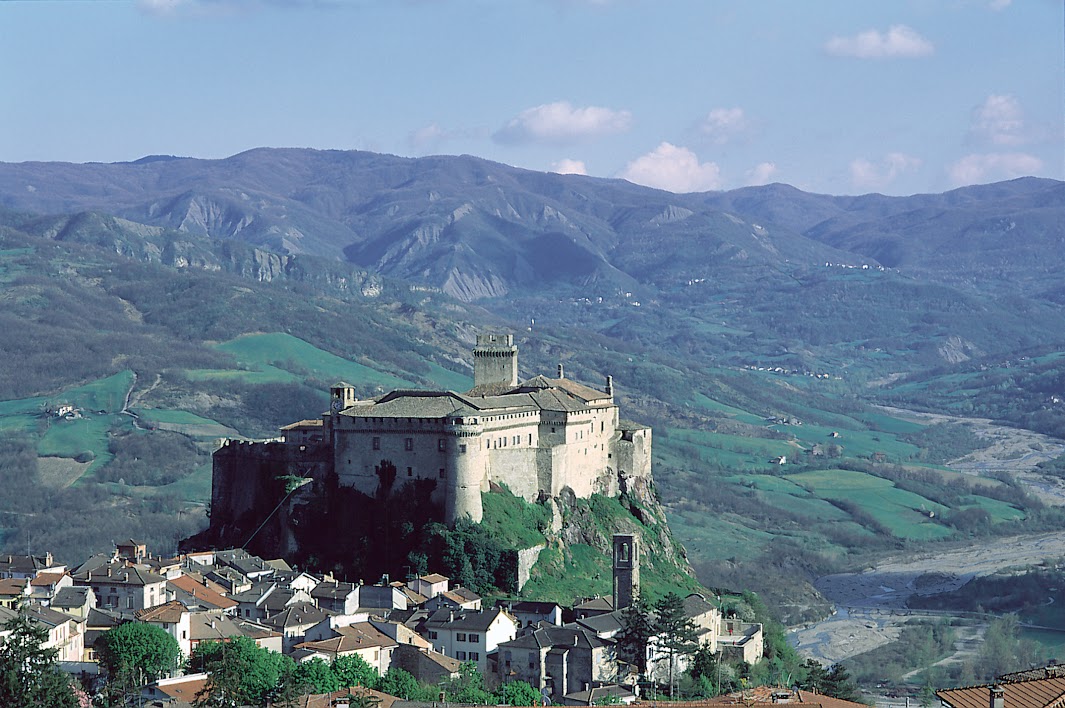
(762, 173)
(431, 136)
(561, 123)
(997, 5)
(999, 121)
(723, 124)
(990, 167)
(673, 168)
(162, 7)
(898, 41)
(869, 175)
(569, 167)
(222, 8)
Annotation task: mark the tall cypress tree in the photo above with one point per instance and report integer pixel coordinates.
(675, 632)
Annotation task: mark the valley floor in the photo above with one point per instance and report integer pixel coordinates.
(870, 605)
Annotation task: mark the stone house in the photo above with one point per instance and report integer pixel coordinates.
(558, 660)
(124, 587)
(469, 635)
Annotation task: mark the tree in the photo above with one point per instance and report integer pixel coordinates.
(468, 686)
(675, 632)
(838, 684)
(517, 693)
(636, 630)
(141, 651)
(239, 672)
(399, 683)
(354, 671)
(315, 676)
(28, 672)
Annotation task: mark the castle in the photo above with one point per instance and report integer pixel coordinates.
(536, 437)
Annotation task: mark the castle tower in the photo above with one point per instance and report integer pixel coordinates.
(465, 469)
(341, 396)
(495, 360)
(626, 569)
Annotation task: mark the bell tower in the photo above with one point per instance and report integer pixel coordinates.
(626, 569)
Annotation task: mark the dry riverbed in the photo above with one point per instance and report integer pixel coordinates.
(870, 604)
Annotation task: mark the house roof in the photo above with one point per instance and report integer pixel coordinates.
(464, 594)
(775, 696)
(532, 607)
(434, 578)
(596, 604)
(203, 595)
(169, 612)
(205, 627)
(118, 573)
(45, 615)
(365, 634)
(46, 579)
(309, 424)
(1034, 693)
(604, 623)
(298, 615)
(695, 605)
(464, 620)
(13, 587)
(23, 564)
(333, 590)
(327, 700)
(71, 596)
(556, 637)
(183, 688)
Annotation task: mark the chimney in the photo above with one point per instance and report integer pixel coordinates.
(998, 697)
(561, 372)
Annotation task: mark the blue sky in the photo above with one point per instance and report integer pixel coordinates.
(838, 97)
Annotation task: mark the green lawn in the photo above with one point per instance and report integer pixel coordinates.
(70, 438)
(281, 358)
(904, 514)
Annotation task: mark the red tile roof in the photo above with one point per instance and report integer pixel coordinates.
(1037, 693)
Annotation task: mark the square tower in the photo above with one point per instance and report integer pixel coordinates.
(626, 569)
(495, 360)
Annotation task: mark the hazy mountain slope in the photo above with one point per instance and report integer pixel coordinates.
(472, 227)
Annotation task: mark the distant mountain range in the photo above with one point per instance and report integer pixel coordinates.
(477, 229)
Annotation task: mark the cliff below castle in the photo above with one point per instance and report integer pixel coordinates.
(556, 548)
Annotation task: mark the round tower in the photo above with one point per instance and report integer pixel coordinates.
(465, 469)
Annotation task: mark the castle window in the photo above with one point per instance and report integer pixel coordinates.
(517, 440)
(462, 449)
(408, 444)
(441, 444)
(377, 443)
(623, 554)
(530, 438)
(443, 473)
(410, 472)
(552, 430)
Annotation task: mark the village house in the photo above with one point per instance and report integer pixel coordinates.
(470, 635)
(124, 587)
(558, 660)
